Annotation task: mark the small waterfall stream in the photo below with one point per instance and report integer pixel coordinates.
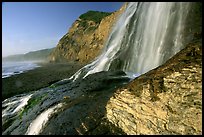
(145, 36)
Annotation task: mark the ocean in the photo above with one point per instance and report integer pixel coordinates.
(13, 68)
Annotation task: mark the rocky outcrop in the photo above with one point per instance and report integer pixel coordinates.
(166, 100)
(85, 39)
(82, 107)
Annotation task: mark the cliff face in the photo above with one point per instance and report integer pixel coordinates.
(166, 100)
(85, 39)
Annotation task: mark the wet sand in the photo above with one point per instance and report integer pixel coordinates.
(35, 79)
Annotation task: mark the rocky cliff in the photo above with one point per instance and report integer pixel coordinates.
(166, 100)
(85, 38)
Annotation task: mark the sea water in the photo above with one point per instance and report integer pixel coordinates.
(13, 68)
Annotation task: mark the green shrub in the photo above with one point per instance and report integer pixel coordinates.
(31, 103)
(95, 16)
(91, 29)
(84, 24)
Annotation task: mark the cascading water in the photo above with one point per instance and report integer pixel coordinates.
(145, 36)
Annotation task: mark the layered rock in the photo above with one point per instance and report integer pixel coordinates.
(85, 39)
(166, 100)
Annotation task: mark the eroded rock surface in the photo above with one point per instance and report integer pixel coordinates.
(166, 100)
(85, 39)
(79, 108)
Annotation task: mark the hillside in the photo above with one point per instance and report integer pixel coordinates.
(86, 37)
(33, 55)
(165, 100)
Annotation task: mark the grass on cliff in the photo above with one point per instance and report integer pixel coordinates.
(95, 16)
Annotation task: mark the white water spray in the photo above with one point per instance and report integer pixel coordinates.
(145, 36)
(37, 125)
(14, 105)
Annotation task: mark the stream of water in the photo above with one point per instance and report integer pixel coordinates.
(145, 36)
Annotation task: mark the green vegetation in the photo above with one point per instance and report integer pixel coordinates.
(91, 29)
(31, 103)
(84, 24)
(7, 124)
(95, 16)
(52, 86)
(40, 54)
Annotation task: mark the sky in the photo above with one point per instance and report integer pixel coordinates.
(31, 26)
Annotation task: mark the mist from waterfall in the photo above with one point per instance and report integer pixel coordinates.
(145, 36)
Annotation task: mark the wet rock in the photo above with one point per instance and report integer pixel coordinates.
(82, 111)
(166, 100)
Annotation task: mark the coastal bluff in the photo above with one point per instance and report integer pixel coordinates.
(166, 100)
(86, 37)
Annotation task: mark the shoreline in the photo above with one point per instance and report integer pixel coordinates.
(37, 78)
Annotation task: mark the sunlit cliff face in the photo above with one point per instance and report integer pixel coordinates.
(144, 37)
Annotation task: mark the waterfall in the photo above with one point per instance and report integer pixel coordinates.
(14, 104)
(37, 124)
(145, 36)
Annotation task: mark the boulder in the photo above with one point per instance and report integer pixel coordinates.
(166, 100)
